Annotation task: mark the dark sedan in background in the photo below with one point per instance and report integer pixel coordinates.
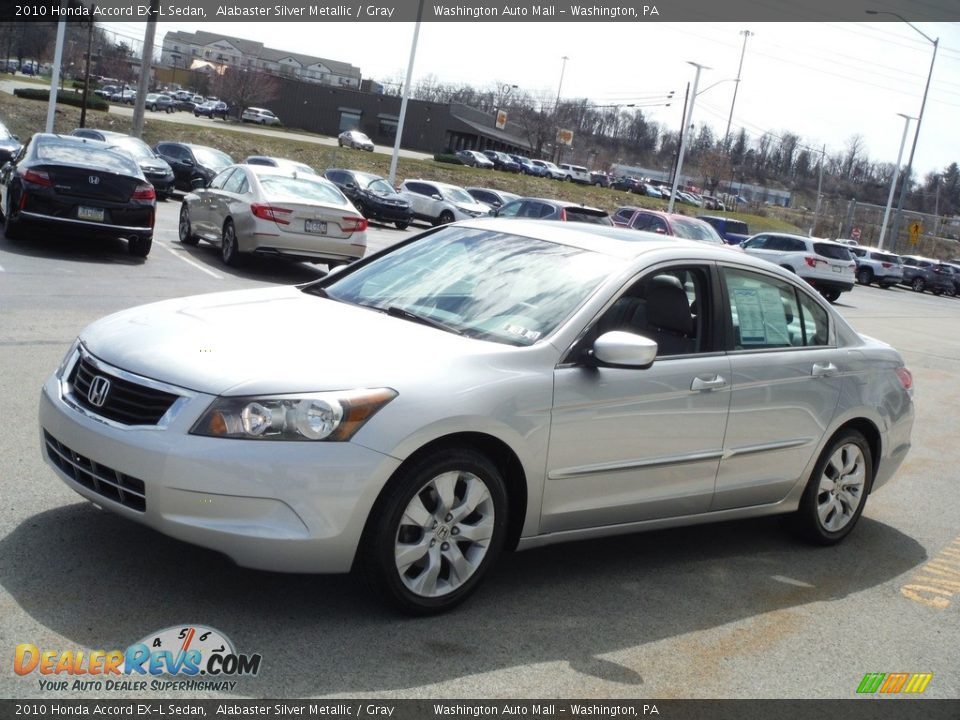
(81, 185)
(192, 162)
(372, 196)
(157, 170)
(550, 209)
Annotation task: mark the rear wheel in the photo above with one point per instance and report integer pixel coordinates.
(917, 284)
(401, 225)
(864, 276)
(185, 228)
(229, 248)
(140, 246)
(837, 490)
(435, 531)
(831, 295)
(12, 226)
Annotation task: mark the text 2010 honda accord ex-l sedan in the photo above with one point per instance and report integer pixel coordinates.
(484, 386)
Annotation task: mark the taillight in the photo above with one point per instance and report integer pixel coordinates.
(270, 212)
(144, 191)
(811, 261)
(563, 213)
(886, 265)
(38, 177)
(905, 377)
(353, 224)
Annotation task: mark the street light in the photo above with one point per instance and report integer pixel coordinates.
(556, 107)
(746, 34)
(893, 183)
(683, 137)
(916, 135)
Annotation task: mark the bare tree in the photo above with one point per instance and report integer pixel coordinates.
(242, 87)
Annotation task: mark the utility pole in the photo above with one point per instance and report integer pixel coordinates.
(746, 34)
(816, 211)
(146, 64)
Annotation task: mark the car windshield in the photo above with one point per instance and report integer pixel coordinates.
(479, 283)
(380, 186)
(85, 155)
(457, 195)
(138, 148)
(300, 189)
(212, 158)
(693, 230)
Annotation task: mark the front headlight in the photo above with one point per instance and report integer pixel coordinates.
(333, 416)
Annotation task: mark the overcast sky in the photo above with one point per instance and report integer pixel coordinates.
(823, 81)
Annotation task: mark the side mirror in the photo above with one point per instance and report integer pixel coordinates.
(435, 196)
(198, 183)
(623, 349)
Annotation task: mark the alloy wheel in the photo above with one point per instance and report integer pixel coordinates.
(842, 487)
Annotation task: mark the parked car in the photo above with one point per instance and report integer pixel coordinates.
(502, 161)
(155, 169)
(599, 178)
(877, 266)
(125, 96)
(9, 145)
(921, 274)
(159, 102)
(372, 196)
(550, 170)
(192, 162)
(527, 166)
(440, 203)
(629, 184)
(355, 139)
(483, 388)
(273, 211)
(259, 116)
(575, 173)
(212, 109)
(712, 203)
(106, 92)
(732, 231)
(78, 185)
(490, 196)
(187, 104)
(826, 265)
(656, 191)
(681, 226)
(474, 158)
(295, 165)
(550, 209)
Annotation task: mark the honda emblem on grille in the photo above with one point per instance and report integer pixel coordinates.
(97, 394)
(94, 180)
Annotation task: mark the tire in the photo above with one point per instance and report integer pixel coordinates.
(408, 553)
(831, 295)
(445, 217)
(401, 225)
(185, 228)
(140, 246)
(917, 284)
(360, 208)
(937, 291)
(229, 248)
(864, 276)
(12, 227)
(837, 490)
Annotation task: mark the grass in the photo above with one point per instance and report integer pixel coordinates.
(25, 117)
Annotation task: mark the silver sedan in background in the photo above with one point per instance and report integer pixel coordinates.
(273, 210)
(487, 385)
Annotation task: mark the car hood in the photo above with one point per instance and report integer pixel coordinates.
(278, 340)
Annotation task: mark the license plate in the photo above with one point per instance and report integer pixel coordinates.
(837, 269)
(86, 213)
(316, 226)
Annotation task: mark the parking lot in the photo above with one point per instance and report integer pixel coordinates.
(735, 610)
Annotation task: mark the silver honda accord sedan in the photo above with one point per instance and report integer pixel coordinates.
(484, 386)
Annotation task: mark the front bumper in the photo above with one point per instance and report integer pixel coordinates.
(281, 506)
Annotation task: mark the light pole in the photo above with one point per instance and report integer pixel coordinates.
(556, 109)
(683, 136)
(916, 135)
(746, 34)
(392, 174)
(893, 183)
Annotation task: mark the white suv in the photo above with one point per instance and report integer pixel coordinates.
(826, 265)
(877, 266)
(439, 203)
(261, 116)
(575, 173)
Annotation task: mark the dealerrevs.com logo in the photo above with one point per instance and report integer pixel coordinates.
(194, 656)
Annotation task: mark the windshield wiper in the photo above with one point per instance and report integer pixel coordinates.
(399, 312)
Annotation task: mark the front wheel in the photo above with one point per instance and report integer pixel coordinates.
(435, 531)
(185, 228)
(401, 225)
(864, 276)
(445, 217)
(917, 285)
(837, 491)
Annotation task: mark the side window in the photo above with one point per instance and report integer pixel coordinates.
(657, 225)
(759, 242)
(623, 215)
(337, 177)
(221, 180)
(670, 307)
(236, 183)
(766, 313)
(418, 188)
(510, 209)
(795, 245)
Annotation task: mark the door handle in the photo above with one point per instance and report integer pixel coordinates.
(708, 383)
(824, 370)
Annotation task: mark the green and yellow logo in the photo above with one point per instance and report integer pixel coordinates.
(893, 683)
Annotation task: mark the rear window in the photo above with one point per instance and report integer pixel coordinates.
(887, 257)
(588, 215)
(834, 252)
(85, 155)
(294, 189)
(735, 226)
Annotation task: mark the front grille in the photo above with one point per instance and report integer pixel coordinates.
(105, 481)
(126, 402)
